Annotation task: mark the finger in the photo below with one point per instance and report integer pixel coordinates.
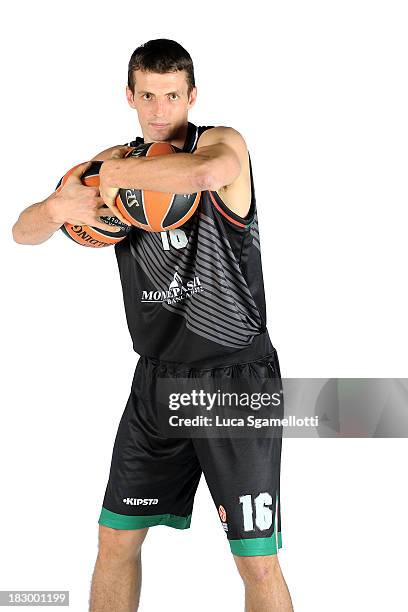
(104, 211)
(78, 170)
(75, 222)
(105, 226)
(96, 223)
(120, 152)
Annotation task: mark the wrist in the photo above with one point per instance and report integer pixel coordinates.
(110, 171)
(53, 209)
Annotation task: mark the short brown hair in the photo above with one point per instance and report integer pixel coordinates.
(161, 55)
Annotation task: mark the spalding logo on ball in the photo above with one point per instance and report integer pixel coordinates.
(155, 211)
(87, 235)
(152, 211)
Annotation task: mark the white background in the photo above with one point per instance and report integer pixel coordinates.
(319, 91)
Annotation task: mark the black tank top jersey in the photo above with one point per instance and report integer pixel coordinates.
(195, 295)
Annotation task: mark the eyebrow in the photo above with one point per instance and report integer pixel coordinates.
(166, 94)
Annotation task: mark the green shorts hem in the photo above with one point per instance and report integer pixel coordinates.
(124, 521)
(251, 547)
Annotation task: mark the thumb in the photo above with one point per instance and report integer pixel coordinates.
(77, 171)
(120, 152)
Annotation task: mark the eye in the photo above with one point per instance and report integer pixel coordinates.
(146, 96)
(174, 96)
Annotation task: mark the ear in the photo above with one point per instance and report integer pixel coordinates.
(129, 96)
(193, 97)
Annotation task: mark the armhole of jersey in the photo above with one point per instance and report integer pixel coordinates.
(240, 223)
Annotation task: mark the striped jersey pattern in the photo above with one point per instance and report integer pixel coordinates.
(208, 261)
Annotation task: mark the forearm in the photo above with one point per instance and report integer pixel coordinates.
(174, 173)
(36, 224)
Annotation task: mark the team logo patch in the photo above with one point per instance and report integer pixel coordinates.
(223, 514)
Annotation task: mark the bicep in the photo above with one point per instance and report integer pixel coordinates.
(222, 142)
(227, 157)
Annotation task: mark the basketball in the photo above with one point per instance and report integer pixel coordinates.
(155, 211)
(87, 235)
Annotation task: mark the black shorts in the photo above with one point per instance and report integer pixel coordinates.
(153, 478)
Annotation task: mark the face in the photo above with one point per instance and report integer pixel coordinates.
(162, 103)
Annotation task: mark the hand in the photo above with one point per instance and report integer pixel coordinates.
(113, 153)
(78, 204)
(107, 191)
(120, 151)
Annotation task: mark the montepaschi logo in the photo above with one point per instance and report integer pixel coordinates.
(140, 501)
(178, 290)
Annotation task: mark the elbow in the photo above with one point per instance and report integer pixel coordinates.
(214, 176)
(201, 177)
(204, 182)
(16, 235)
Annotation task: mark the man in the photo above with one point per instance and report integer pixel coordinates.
(217, 331)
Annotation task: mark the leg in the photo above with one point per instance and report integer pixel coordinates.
(243, 475)
(265, 586)
(117, 576)
(152, 481)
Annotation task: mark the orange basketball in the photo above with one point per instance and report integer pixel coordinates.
(155, 211)
(87, 235)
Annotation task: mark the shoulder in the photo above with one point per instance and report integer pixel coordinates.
(225, 135)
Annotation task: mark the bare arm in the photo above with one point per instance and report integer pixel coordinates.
(220, 163)
(36, 223)
(181, 173)
(214, 164)
(75, 203)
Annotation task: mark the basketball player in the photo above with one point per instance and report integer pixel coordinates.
(216, 331)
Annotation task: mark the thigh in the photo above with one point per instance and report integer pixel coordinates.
(152, 479)
(243, 475)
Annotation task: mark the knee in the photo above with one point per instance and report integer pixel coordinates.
(257, 569)
(120, 544)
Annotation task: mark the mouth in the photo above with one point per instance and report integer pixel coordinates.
(159, 126)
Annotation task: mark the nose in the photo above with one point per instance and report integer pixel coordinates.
(159, 108)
